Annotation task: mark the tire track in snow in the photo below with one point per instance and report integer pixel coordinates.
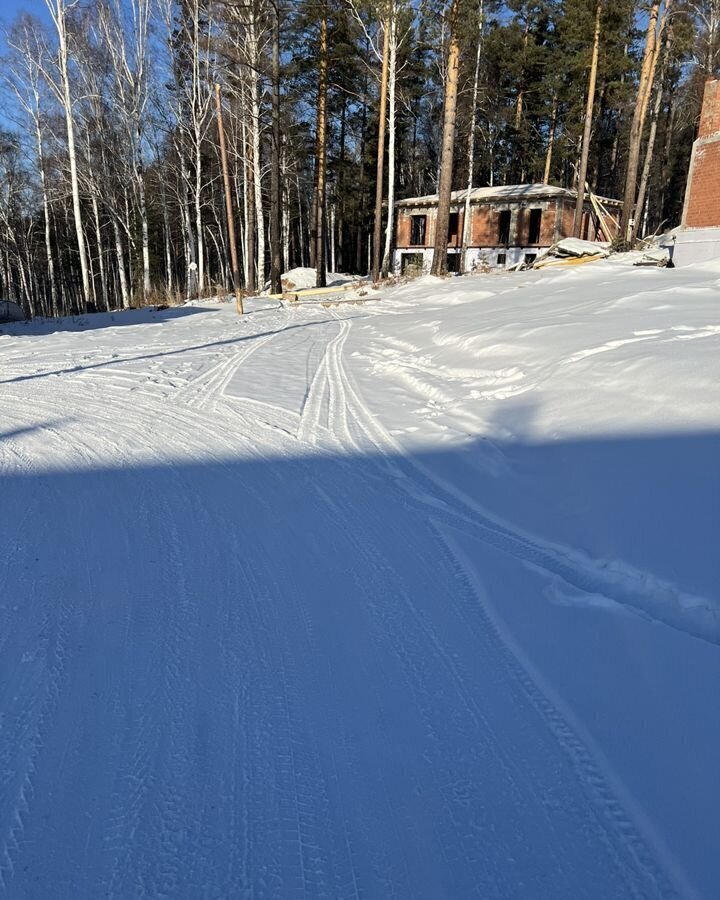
(621, 832)
(641, 591)
(621, 827)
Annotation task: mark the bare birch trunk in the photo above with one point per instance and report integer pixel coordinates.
(46, 220)
(276, 213)
(120, 258)
(320, 265)
(57, 11)
(377, 233)
(257, 158)
(467, 214)
(101, 261)
(392, 80)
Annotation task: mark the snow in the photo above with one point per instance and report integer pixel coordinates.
(303, 277)
(415, 597)
(576, 247)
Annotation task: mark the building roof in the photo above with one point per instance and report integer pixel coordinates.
(503, 192)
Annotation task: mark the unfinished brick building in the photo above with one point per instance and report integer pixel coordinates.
(509, 224)
(699, 237)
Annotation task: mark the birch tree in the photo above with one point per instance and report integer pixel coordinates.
(58, 10)
(467, 216)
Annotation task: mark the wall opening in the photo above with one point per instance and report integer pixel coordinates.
(534, 226)
(453, 228)
(453, 262)
(418, 228)
(504, 227)
(411, 264)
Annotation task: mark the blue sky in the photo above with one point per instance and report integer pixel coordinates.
(10, 8)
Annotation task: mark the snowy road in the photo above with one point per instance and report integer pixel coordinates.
(247, 644)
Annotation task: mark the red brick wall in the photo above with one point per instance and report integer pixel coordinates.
(486, 224)
(710, 115)
(703, 203)
(702, 200)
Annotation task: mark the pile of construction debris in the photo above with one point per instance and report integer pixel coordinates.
(571, 252)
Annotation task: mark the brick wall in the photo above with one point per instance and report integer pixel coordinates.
(486, 224)
(710, 115)
(702, 198)
(556, 222)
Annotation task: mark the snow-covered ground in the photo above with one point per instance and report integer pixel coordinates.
(415, 597)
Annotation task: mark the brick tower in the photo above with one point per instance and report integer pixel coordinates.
(702, 197)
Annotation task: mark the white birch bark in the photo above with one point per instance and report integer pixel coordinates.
(392, 103)
(467, 215)
(254, 54)
(58, 10)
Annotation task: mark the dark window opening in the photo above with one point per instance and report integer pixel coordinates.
(501, 259)
(453, 262)
(534, 227)
(530, 258)
(453, 227)
(418, 226)
(504, 227)
(411, 264)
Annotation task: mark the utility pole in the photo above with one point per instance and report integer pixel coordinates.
(228, 205)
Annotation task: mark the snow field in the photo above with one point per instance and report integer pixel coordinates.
(415, 598)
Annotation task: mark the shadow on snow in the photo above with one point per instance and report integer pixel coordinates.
(331, 675)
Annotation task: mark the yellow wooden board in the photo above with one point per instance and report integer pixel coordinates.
(568, 261)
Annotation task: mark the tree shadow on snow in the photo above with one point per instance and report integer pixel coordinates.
(93, 321)
(333, 674)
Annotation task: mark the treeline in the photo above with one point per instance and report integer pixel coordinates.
(115, 190)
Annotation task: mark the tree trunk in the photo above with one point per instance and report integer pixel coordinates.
(256, 147)
(392, 79)
(301, 230)
(320, 265)
(276, 253)
(467, 214)
(650, 150)
(551, 140)
(58, 14)
(377, 233)
(120, 258)
(439, 263)
(587, 133)
(46, 218)
(101, 260)
(145, 231)
(655, 28)
(229, 214)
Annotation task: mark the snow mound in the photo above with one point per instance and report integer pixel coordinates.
(300, 278)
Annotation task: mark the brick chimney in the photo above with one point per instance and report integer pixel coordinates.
(702, 195)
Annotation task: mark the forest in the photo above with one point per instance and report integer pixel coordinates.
(153, 151)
